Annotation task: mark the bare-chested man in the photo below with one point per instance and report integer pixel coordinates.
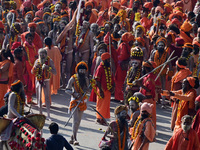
(84, 43)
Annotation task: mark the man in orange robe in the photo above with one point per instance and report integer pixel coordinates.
(90, 15)
(36, 38)
(32, 54)
(187, 97)
(177, 79)
(185, 138)
(146, 131)
(6, 70)
(104, 80)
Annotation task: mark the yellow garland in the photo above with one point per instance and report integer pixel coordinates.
(40, 72)
(108, 77)
(78, 85)
(121, 145)
(136, 99)
(13, 40)
(136, 77)
(135, 134)
(29, 56)
(93, 84)
(19, 100)
(180, 105)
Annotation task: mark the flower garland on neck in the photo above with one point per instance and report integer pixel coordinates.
(161, 60)
(93, 84)
(121, 145)
(188, 57)
(40, 73)
(19, 101)
(82, 39)
(78, 85)
(108, 77)
(136, 131)
(136, 76)
(27, 49)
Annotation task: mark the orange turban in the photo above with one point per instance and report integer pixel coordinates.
(41, 22)
(40, 5)
(30, 12)
(81, 63)
(105, 56)
(116, 5)
(161, 39)
(1, 25)
(32, 24)
(196, 43)
(176, 13)
(158, 8)
(127, 37)
(148, 5)
(188, 45)
(88, 3)
(186, 26)
(141, 40)
(191, 81)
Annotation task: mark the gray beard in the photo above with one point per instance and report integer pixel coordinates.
(42, 61)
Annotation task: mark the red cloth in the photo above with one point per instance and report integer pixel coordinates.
(196, 124)
(15, 45)
(101, 77)
(149, 82)
(120, 75)
(36, 41)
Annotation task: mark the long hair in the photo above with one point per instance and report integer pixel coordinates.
(7, 53)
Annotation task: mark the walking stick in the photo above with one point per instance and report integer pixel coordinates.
(76, 106)
(164, 66)
(154, 69)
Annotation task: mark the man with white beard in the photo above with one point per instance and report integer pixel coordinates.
(185, 138)
(42, 69)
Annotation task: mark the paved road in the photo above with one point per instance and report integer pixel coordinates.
(90, 133)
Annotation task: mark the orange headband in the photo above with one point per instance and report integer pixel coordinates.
(81, 63)
(15, 83)
(161, 39)
(191, 81)
(180, 66)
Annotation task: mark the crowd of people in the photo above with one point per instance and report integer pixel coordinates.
(140, 53)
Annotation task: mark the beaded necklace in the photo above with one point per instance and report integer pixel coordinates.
(108, 77)
(11, 41)
(19, 101)
(135, 134)
(136, 76)
(121, 145)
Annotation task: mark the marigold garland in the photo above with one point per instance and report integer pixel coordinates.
(83, 38)
(11, 41)
(93, 84)
(121, 145)
(108, 77)
(19, 101)
(161, 60)
(136, 76)
(135, 134)
(180, 104)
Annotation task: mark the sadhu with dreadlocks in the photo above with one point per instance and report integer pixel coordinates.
(77, 86)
